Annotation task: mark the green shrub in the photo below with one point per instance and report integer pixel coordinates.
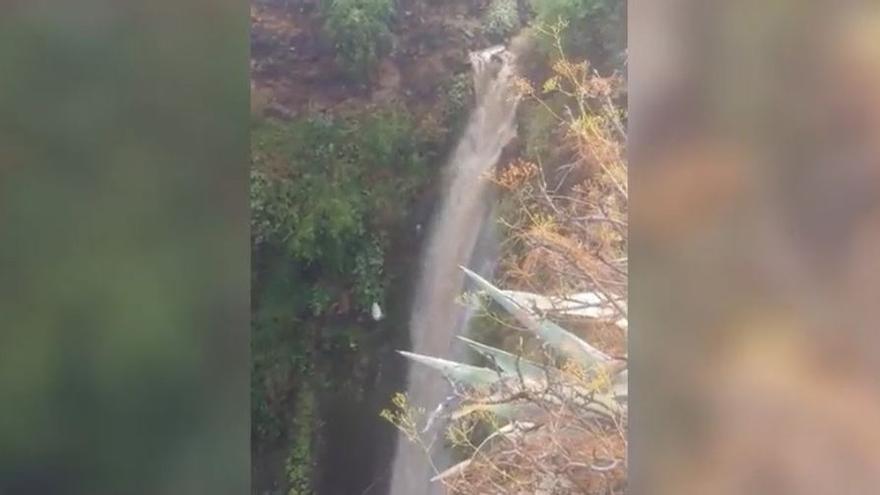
(536, 128)
(385, 141)
(368, 271)
(459, 101)
(320, 299)
(360, 32)
(459, 95)
(280, 343)
(320, 193)
(596, 28)
(298, 466)
(305, 196)
(501, 20)
(568, 10)
(317, 187)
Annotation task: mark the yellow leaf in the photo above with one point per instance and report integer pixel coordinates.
(551, 84)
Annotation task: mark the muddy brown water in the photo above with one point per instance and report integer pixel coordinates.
(455, 231)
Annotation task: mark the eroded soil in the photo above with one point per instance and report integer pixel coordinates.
(294, 69)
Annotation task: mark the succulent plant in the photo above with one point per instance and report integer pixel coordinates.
(514, 387)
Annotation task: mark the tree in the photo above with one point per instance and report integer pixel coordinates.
(360, 32)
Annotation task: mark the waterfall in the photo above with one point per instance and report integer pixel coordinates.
(436, 316)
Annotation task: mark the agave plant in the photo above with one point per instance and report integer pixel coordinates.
(520, 391)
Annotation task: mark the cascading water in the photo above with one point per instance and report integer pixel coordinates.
(436, 317)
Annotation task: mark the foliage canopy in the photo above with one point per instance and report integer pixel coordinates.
(597, 27)
(360, 31)
(318, 186)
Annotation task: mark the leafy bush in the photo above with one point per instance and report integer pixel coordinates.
(319, 300)
(369, 282)
(304, 196)
(460, 94)
(321, 189)
(360, 32)
(596, 27)
(536, 128)
(385, 141)
(502, 19)
(568, 10)
(445, 122)
(317, 186)
(298, 465)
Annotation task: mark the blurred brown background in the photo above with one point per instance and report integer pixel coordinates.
(755, 171)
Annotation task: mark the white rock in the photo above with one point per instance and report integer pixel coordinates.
(376, 312)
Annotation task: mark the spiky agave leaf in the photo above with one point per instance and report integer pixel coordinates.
(456, 469)
(509, 363)
(515, 375)
(566, 343)
(459, 372)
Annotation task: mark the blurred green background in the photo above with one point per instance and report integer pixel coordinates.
(124, 281)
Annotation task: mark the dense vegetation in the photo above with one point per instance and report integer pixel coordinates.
(597, 28)
(324, 192)
(501, 19)
(330, 188)
(360, 31)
